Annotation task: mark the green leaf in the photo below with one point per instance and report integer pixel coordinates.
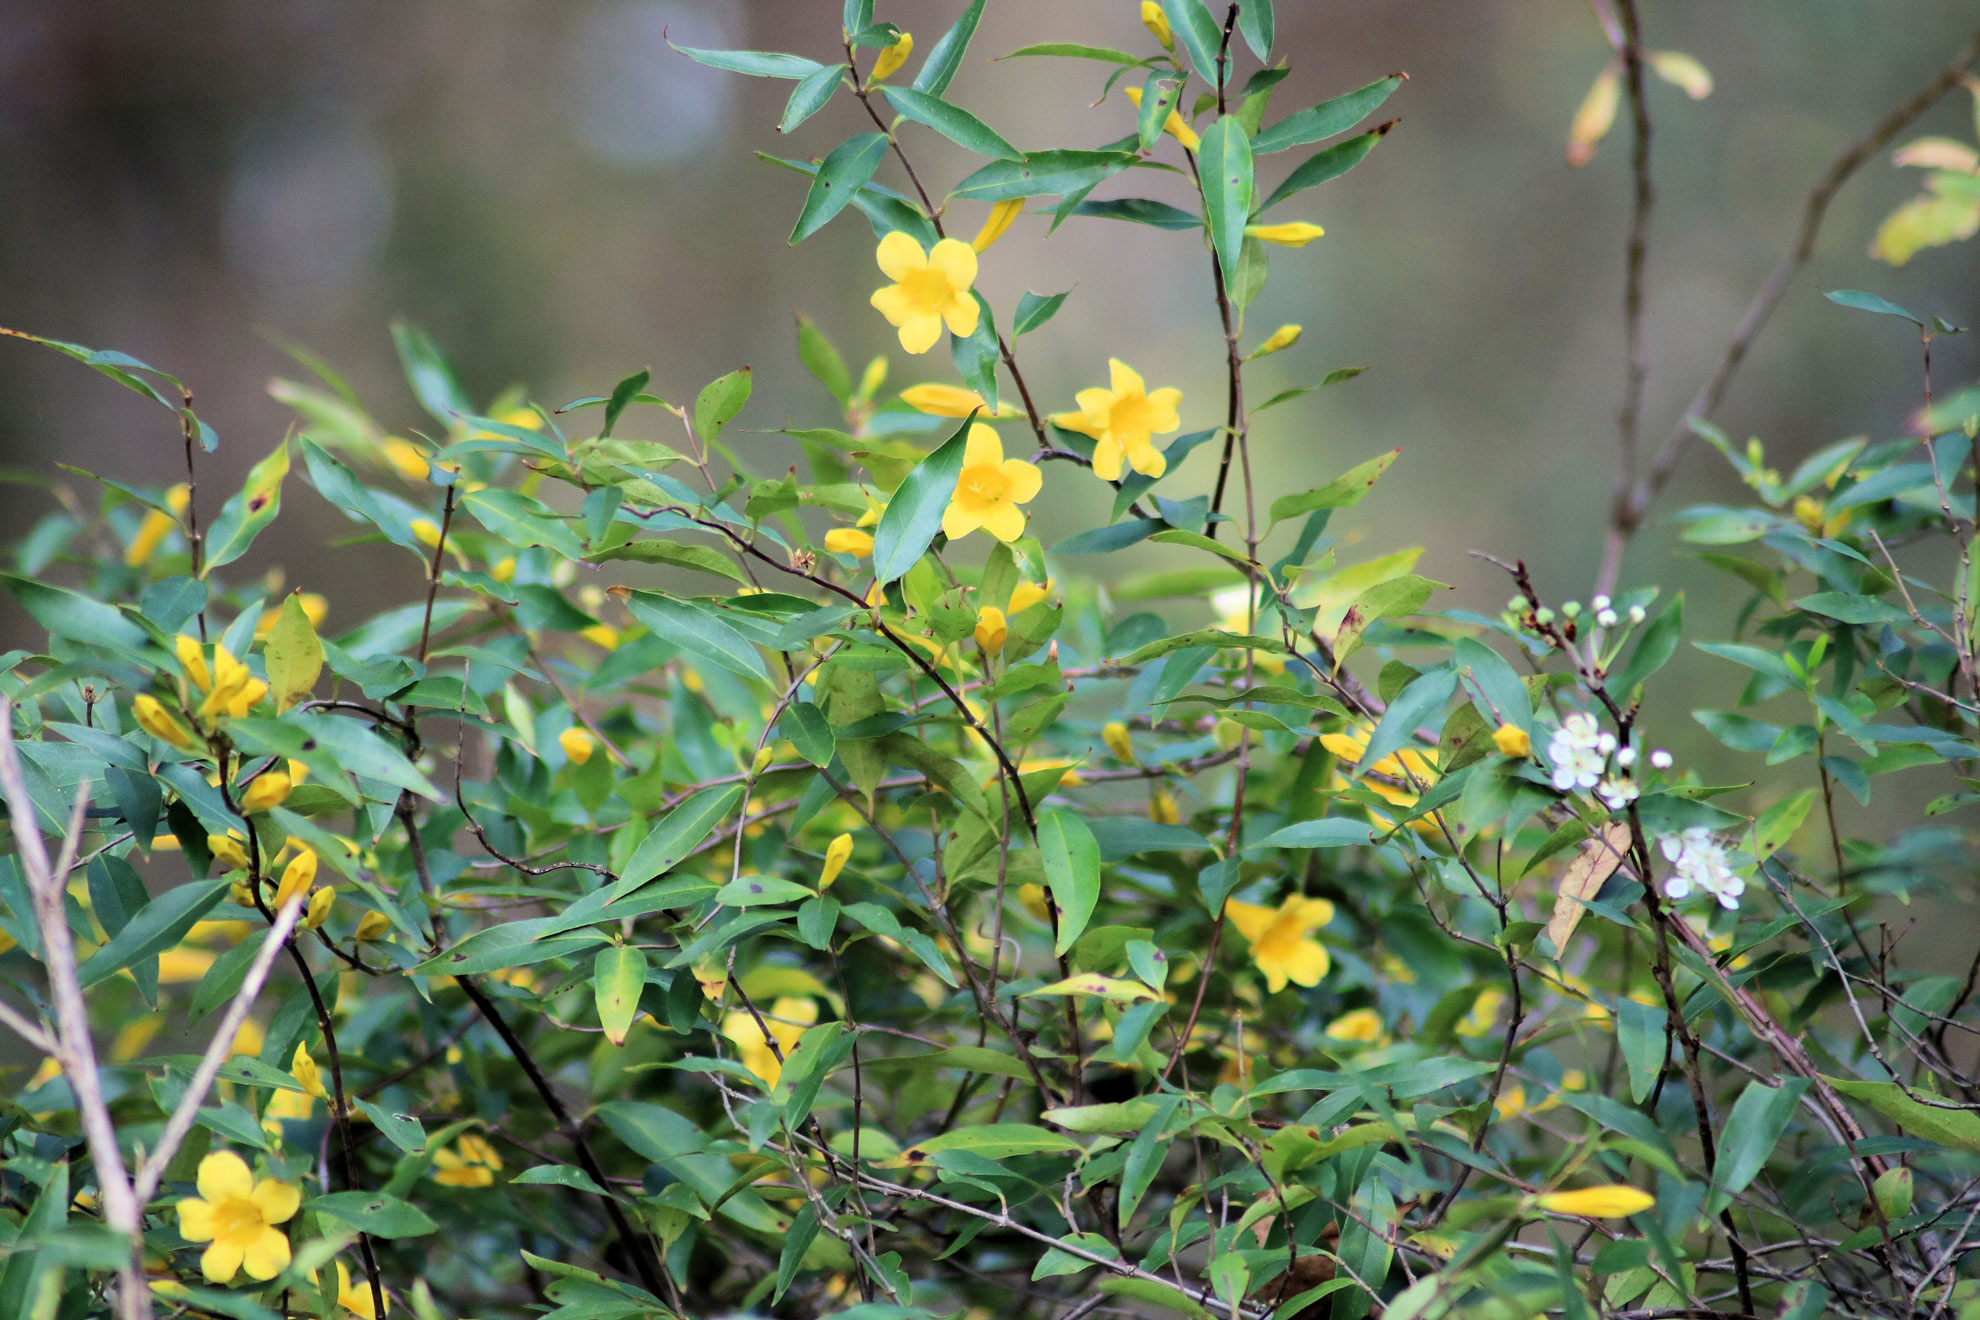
(914, 514)
(976, 353)
(402, 1130)
(952, 122)
(1328, 832)
(756, 63)
(1343, 492)
(1034, 310)
(1140, 211)
(701, 558)
(559, 1175)
(1640, 1033)
(1259, 25)
(1326, 119)
(804, 1228)
(1224, 164)
(845, 170)
(1863, 611)
(679, 833)
(823, 361)
(76, 618)
(807, 729)
(618, 975)
(1870, 302)
(1393, 599)
(1758, 1119)
(719, 401)
(945, 57)
(1329, 164)
(430, 374)
(1197, 33)
(1042, 173)
(522, 521)
(993, 1141)
(699, 630)
(1158, 97)
(1419, 704)
(1072, 869)
(251, 509)
(158, 926)
(761, 891)
(1955, 1129)
(1653, 649)
(1497, 681)
(1145, 1156)
(374, 1213)
(1075, 51)
(811, 95)
(293, 654)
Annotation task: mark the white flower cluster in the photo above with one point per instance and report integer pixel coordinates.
(1579, 752)
(1698, 861)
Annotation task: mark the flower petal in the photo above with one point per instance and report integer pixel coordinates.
(222, 1261)
(900, 256)
(957, 262)
(196, 1220)
(1147, 459)
(1313, 913)
(278, 1201)
(1005, 522)
(1162, 406)
(958, 522)
(984, 447)
(1125, 379)
(268, 1255)
(961, 313)
(1306, 962)
(224, 1175)
(919, 333)
(1025, 479)
(1077, 422)
(1107, 459)
(892, 303)
(1251, 920)
(1275, 972)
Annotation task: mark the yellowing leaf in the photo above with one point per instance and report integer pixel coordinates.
(1595, 116)
(293, 654)
(1682, 72)
(1102, 987)
(1924, 221)
(1938, 153)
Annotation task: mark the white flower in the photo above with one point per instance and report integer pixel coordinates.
(1699, 862)
(1605, 618)
(1600, 602)
(1626, 757)
(1637, 614)
(1617, 792)
(1576, 752)
(1660, 759)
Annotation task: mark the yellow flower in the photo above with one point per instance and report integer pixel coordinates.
(238, 1216)
(952, 401)
(1115, 735)
(1157, 22)
(1398, 765)
(997, 222)
(849, 541)
(1033, 899)
(796, 1013)
(1513, 741)
(1484, 1012)
(269, 789)
(837, 853)
(1511, 1102)
(991, 630)
(137, 1033)
(504, 570)
(1281, 944)
(1360, 1024)
(372, 925)
(308, 1076)
(1293, 233)
(227, 850)
(891, 58)
(297, 877)
(320, 904)
(404, 457)
(157, 525)
(192, 659)
(471, 1163)
(1122, 418)
(355, 1297)
(178, 966)
(1612, 1201)
(155, 720)
(929, 289)
(577, 745)
(990, 489)
(426, 531)
(1026, 594)
(1175, 125)
(234, 690)
(1162, 808)
(1284, 337)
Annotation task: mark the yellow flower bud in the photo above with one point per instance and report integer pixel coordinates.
(427, 531)
(1361, 1024)
(892, 58)
(998, 221)
(1613, 1201)
(836, 854)
(404, 457)
(601, 634)
(1157, 23)
(1115, 735)
(307, 1074)
(1033, 899)
(991, 631)
(873, 378)
(1595, 116)
(298, 772)
(270, 789)
(944, 400)
(577, 745)
(1162, 809)
(1284, 337)
(297, 877)
(1175, 125)
(157, 525)
(1511, 740)
(155, 720)
(1026, 594)
(320, 904)
(505, 570)
(849, 541)
(1293, 233)
(227, 850)
(372, 925)
(764, 756)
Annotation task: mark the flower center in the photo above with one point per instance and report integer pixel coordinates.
(983, 484)
(236, 1217)
(928, 290)
(1130, 418)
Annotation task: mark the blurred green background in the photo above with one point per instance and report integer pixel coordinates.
(560, 199)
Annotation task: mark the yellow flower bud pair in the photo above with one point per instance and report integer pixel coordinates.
(991, 629)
